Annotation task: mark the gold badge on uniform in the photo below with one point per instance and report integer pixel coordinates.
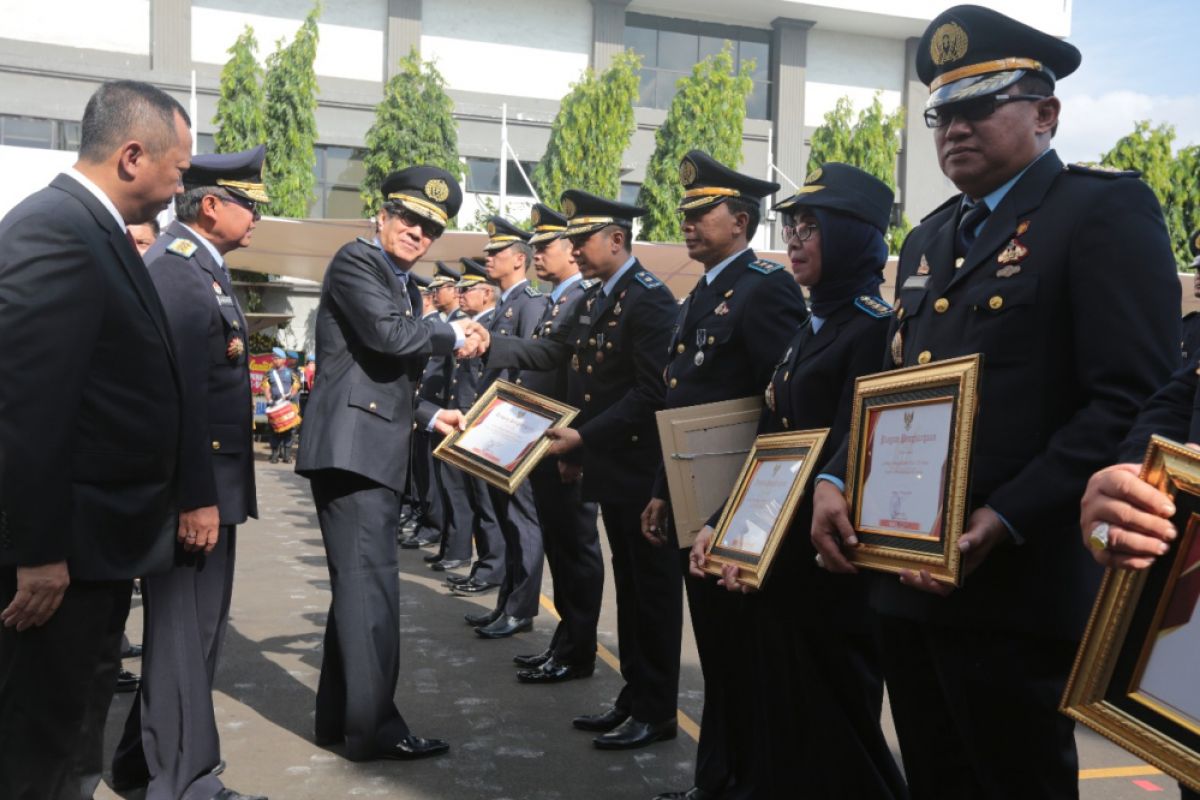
(729, 294)
(235, 348)
(535, 216)
(898, 349)
(491, 229)
(722, 309)
(923, 267)
(1024, 226)
(575, 362)
(508, 314)
(436, 190)
(617, 309)
(687, 172)
(568, 207)
(1013, 253)
(769, 395)
(217, 288)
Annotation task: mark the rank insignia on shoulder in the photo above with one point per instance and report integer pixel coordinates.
(646, 279)
(532, 292)
(182, 247)
(764, 266)
(369, 243)
(1102, 171)
(588, 283)
(923, 267)
(872, 306)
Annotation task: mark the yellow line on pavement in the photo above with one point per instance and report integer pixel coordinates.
(686, 723)
(1118, 772)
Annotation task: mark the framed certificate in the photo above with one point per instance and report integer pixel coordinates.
(763, 503)
(1135, 677)
(505, 435)
(908, 466)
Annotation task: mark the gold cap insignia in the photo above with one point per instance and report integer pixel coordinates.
(687, 172)
(949, 44)
(436, 190)
(491, 229)
(568, 207)
(535, 217)
(814, 176)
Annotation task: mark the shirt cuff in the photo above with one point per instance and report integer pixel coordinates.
(1018, 538)
(834, 479)
(431, 427)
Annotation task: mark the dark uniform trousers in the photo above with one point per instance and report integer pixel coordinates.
(517, 516)
(474, 518)
(426, 493)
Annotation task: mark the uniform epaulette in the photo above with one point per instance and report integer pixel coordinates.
(872, 306)
(1102, 171)
(532, 292)
(588, 283)
(647, 280)
(764, 266)
(949, 202)
(369, 243)
(182, 247)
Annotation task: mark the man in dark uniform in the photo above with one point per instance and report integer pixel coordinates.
(474, 516)
(569, 533)
(1191, 321)
(725, 344)
(171, 734)
(1014, 268)
(518, 310)
(617, 341)
(426, 516)
(372, 348)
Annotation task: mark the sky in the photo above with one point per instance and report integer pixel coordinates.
(1141, 60)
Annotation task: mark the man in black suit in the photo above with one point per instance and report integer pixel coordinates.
(372, 346)
(171, 738)
(89, 436)
(1014, 268)
(617, 341)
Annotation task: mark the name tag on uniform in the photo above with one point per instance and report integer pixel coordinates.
(224, 300)
(915, 282)
(586, 319)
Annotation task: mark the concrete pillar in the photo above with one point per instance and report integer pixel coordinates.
(171, 36)
(921, 187)
(403, 33)
(608, 31)
(789, 63)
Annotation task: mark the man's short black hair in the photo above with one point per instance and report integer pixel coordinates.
(122, 110)
(752, 210)
(1034, 83)
(524, 249)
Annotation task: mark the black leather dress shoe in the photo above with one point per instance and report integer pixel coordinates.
(694, 793)
(230, 794)
(633, 734)
(127, 783)
(127, 681)
(505, 626)
(432, 558)
(133, 651)
(534, 660)
(411, 748)
(554, 672)
(474, 587)
(404, 539)
(482, 618)
(457, 580)
(453, 563)
(601, 723)
(411, 542)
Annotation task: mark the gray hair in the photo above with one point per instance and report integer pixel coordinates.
(187, 205)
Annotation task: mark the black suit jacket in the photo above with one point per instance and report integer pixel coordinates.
(371, 347)
(435, 378)
(89, 394)
(1074, 317)
(618, 346)
(208, 328)
(516, 315)
(562, 382)
(467, 375)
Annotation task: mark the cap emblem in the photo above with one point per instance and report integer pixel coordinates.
(436, 190)
(568, 207)
(491, 229)
(687, 172)
(949, 44)
(535, 217)
(814, 176)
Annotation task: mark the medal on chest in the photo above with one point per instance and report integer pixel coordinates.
(701, 339)
(769, 395)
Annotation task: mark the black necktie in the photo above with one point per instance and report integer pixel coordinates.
(971, 219)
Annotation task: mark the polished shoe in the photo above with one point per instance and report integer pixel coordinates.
(505, 626)
(411, 748)
(444, 564)
(432, 558)
(230, 794)
(533, 660)
(458, 580)
(406, 540)
(554, 672)
(473, 587)
(128, 783)
(133, 651)
(694, 793)
(633, 734)
(429, 541)
(482, 619)
(411, 525)
(601, 723)
(127, 681)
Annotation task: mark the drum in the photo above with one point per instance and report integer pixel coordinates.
(283, 416)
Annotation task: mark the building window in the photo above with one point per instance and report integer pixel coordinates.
(483, 176)
(629, 193)
(44, 134)
(671, 47)
(339, 172)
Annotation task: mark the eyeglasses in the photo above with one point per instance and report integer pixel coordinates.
(245, 203)
(801, 233)
(467, 289)
(973, 110)
(429, 228)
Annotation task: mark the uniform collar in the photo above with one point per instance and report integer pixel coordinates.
(994, 197)
(87, 183)
(611, 283)
(205, 242)
(399, 273)
(710, 276)
(483, 313)
(504, 295)
(562, 287)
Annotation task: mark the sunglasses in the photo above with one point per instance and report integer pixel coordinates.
(429, 228)
(973, 110)
(245, 203)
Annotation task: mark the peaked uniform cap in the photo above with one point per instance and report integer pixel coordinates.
(427, 191)
(444, 275)
(708, 182)
(547, 224)
(971, 51)
(588, 213)
(502, 233)
(237, 173)
(850, 190)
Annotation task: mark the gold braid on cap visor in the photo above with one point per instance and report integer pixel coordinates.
(706, 195)
(422, 207)
(255, 191)
(999, 65)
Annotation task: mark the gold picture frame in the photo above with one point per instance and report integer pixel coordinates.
(917, 422)
(505, 434)
(760, 509)
(1133, 681)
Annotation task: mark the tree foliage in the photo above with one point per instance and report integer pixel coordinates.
(1174, 178)
(240, 122)
(707, 113)
(291, 105)
(590, 133)
(870, 141)
(414, 124)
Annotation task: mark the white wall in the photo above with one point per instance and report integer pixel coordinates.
(27, 169)
(843, 64)
(121, 26)
(527, 48)
(1052, 16)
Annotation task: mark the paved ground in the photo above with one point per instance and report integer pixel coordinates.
(508, 740)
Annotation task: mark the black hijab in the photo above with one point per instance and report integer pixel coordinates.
(853, 253)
